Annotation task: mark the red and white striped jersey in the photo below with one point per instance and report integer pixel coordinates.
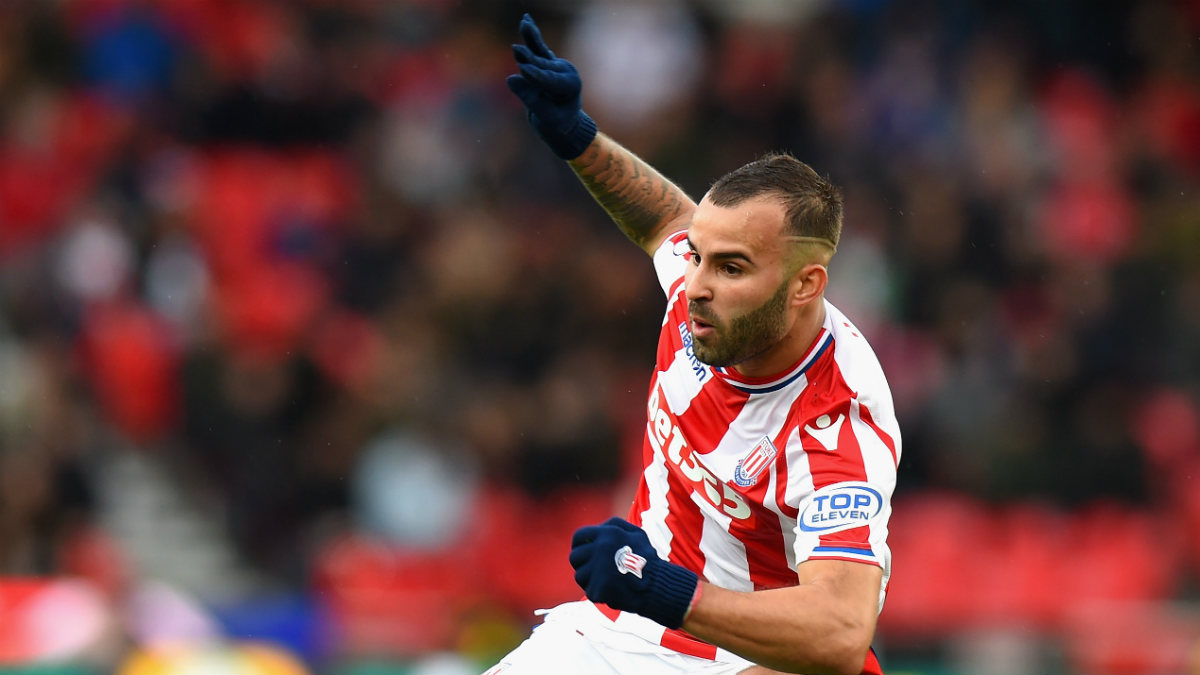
(745, 478)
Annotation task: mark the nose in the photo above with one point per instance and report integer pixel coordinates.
(695, 285)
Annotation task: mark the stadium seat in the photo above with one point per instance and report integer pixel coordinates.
(1120, 555)
(523, 544)
(1129, 638)
(391, 602)
(1022, 561)
(1184, 510)
(936, 540)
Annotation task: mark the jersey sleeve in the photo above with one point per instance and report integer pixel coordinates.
(669, 261)
(852, 457)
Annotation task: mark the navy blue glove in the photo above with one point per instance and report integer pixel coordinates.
(551, 90)
(616, 565)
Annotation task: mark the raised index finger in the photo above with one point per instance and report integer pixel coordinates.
(533, 37)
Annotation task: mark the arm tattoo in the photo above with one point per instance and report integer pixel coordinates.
(639, 199)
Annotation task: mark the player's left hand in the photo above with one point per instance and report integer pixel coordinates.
(552, 91)
(615, 564)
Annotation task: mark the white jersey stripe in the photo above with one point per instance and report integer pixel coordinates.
(881, 472)
(654, 518)
(683, 380)
(787, 524)
(724, 556)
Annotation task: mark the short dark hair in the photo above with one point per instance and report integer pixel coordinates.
(813, 206)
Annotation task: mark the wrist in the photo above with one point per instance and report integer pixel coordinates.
(674, 591)
(692, 604)
(570, 143)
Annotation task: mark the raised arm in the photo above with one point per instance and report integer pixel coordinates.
(645, 205)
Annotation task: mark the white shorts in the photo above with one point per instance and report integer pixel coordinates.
(576, 639)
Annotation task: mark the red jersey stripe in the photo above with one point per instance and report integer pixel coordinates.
(725, 404)
(883, 435)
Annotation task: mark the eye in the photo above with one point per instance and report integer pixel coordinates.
(691, 256)
(730, 270)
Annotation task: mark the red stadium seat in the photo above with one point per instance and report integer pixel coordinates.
(1120, 555)
(936, 542)
(392, 602)
(1131, 638)
(1185, 509)
(522, 544)
(1022, 565)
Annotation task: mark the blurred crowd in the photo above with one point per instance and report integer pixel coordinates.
(309, 256)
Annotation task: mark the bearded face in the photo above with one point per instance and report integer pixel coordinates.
(727, 341)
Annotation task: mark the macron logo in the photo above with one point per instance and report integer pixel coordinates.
(629, 562)
(826, 431)
(698, 369)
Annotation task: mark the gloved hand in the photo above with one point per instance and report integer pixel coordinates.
(616, 565)
(551, 90)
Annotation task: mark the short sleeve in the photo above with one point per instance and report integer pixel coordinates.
(853, 461)
(669, 261)
(853, 471)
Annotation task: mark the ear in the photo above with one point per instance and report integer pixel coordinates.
(808, 284)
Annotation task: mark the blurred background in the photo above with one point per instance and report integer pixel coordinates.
(312, 356)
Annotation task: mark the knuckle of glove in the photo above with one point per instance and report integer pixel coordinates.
(613, 538)
(585, 535)
(580, 555)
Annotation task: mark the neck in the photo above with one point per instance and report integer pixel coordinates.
(792, 347)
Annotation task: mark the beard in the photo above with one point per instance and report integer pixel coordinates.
(747, 336)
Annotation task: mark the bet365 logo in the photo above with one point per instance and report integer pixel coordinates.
(666, 437)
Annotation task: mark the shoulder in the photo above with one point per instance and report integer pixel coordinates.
(854, 360)
(669, 262)
(849, 381)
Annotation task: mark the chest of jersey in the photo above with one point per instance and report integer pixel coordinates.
(720, 442)
(704, 472)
